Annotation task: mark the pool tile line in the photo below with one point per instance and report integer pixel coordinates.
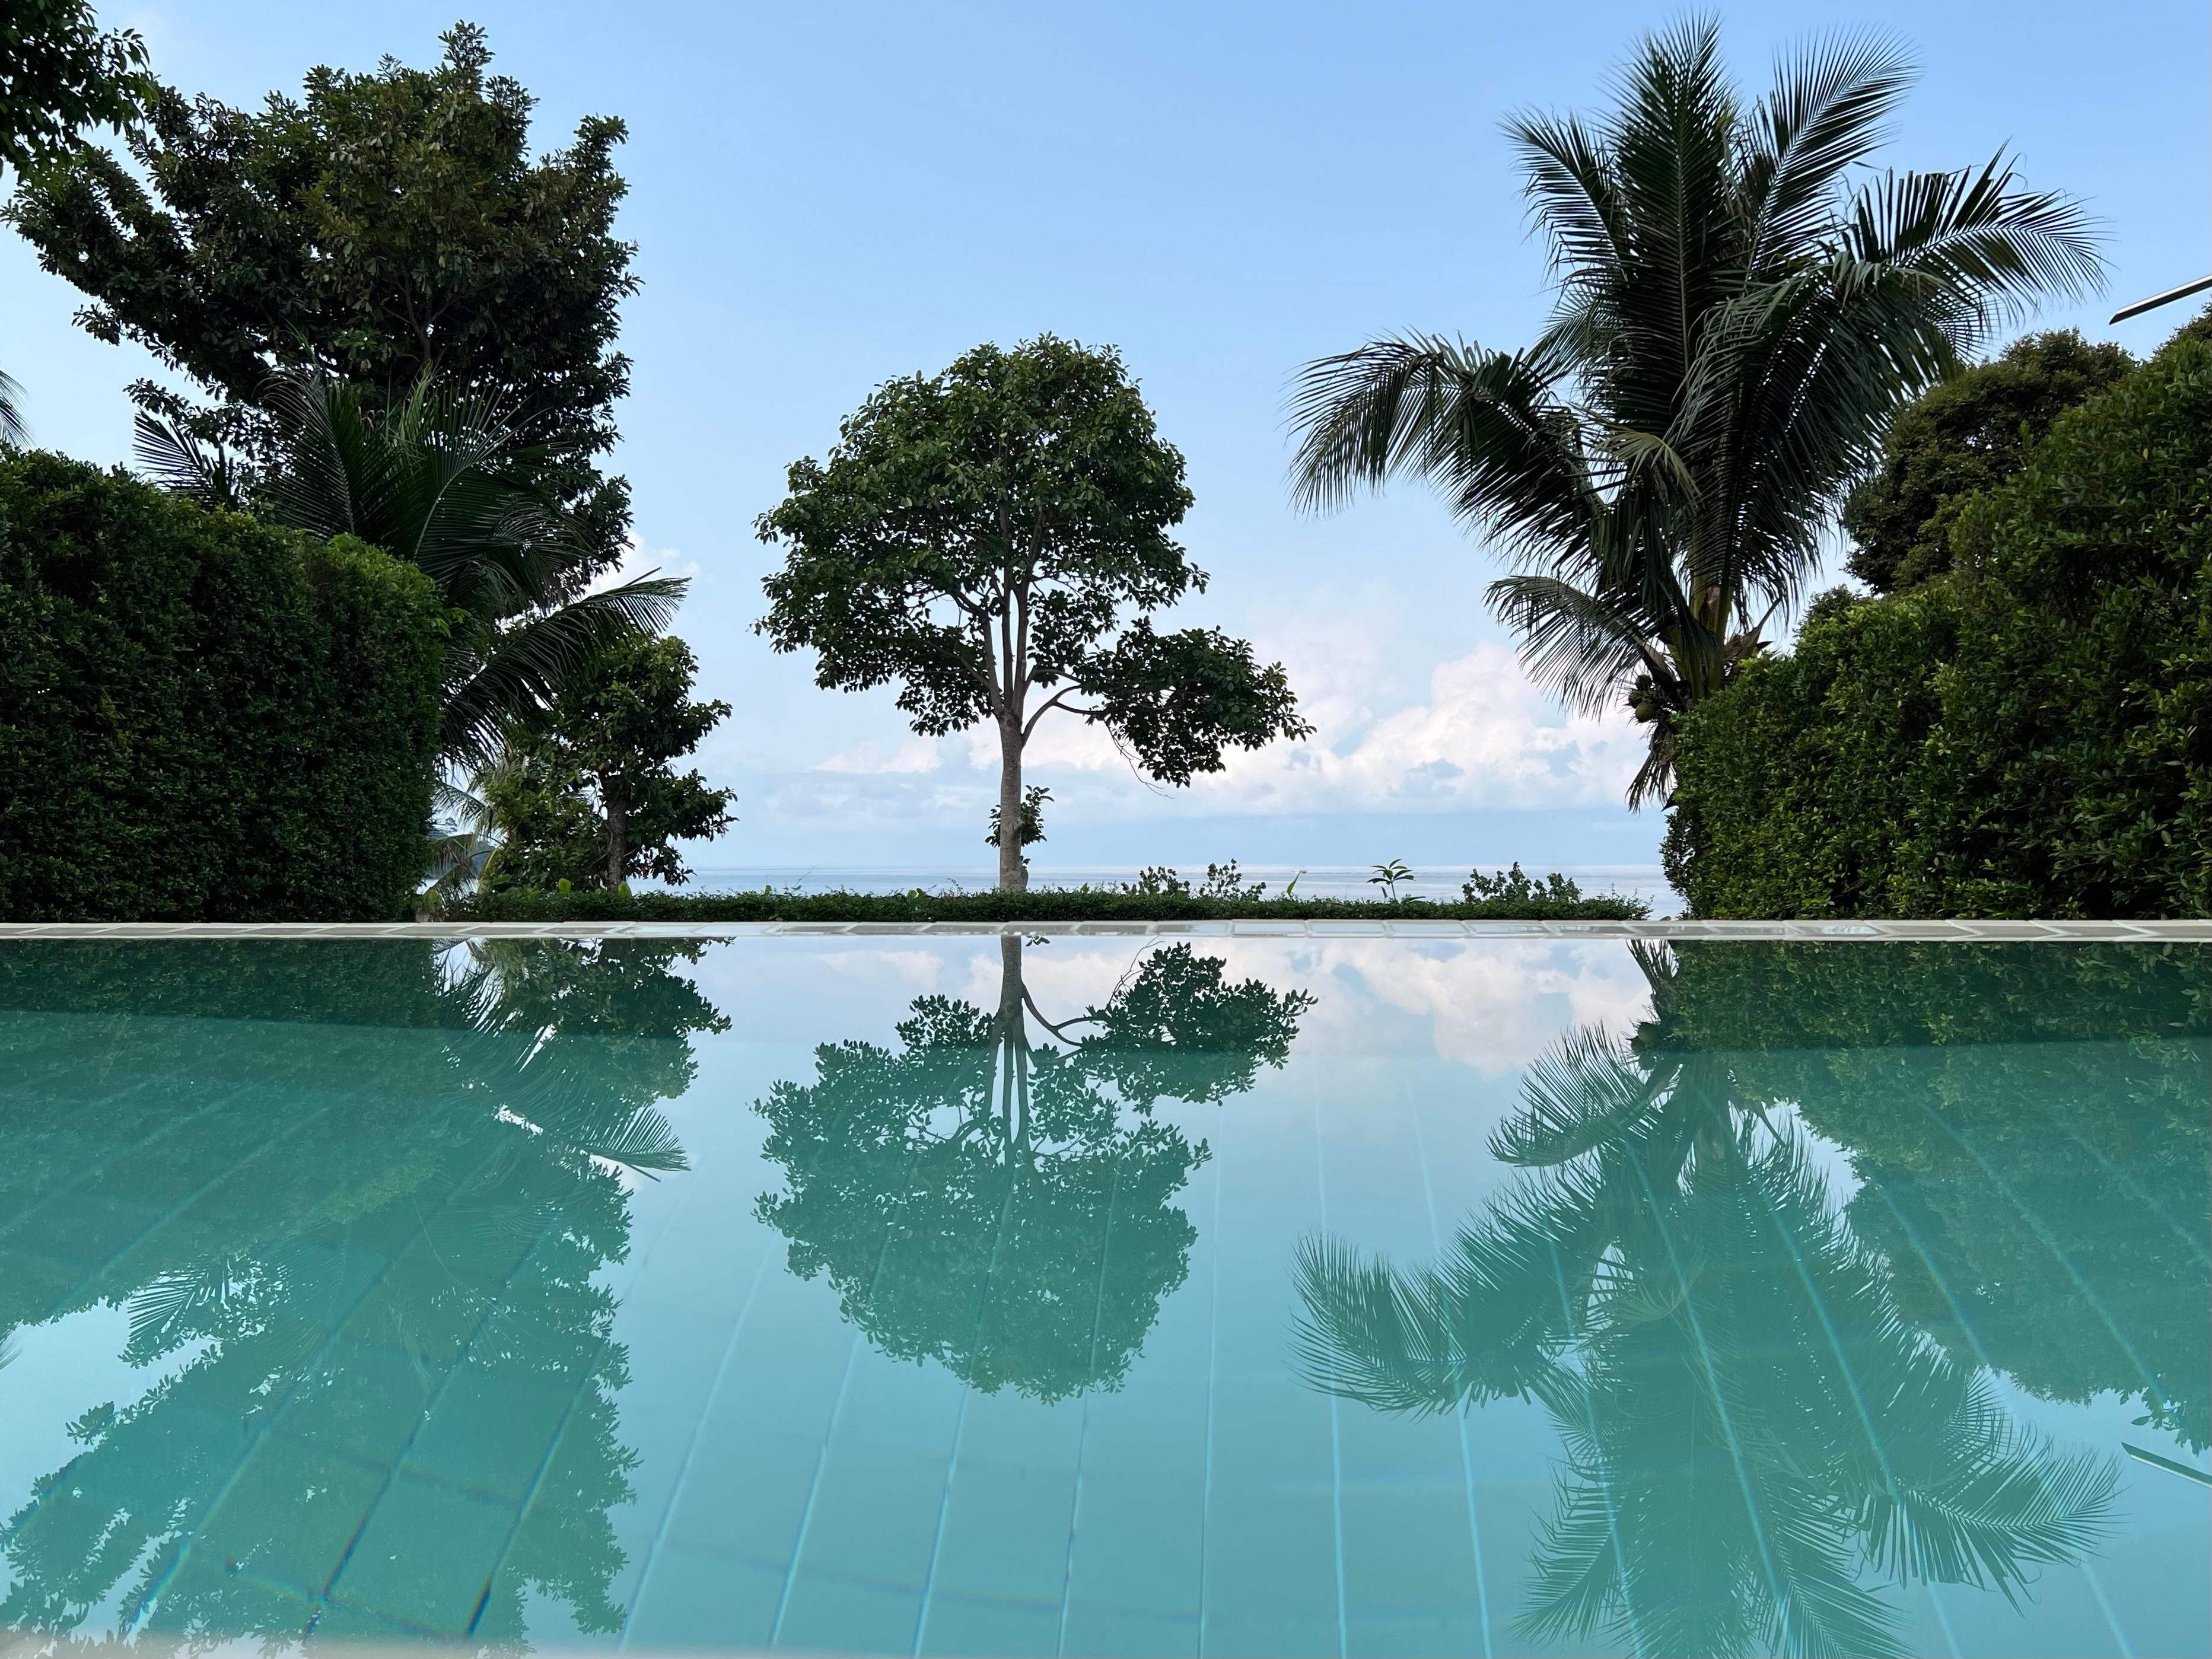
(652, 1548)
(2179, 931)
(1458, 1416)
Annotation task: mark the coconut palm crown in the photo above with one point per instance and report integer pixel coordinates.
(443, 483)
(1741, 306)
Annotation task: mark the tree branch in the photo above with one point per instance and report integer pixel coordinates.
(1056, 701)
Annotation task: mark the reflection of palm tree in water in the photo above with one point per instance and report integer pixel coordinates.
(1004, 1205)
(370, 1261)
(1750, 1430)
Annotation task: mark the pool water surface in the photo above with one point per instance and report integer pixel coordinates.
(1107, 1296)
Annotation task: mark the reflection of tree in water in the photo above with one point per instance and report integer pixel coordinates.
(1006, 1205)
(2029, 1123)
(354, 1205)
(1751, 1429)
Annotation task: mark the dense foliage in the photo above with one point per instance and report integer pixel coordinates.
(1741, 305)
(201, 717)
(2028, 735)
(996, 539)
(380, 227)
(59, 75)
(1965, 436)
(587, 795)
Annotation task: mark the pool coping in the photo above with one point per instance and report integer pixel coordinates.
(2195, 932)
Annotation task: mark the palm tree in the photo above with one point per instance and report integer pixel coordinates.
(1736, 318)
(1750, 1427)
(442, 484)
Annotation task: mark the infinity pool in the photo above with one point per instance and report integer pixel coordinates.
(1124, 1296)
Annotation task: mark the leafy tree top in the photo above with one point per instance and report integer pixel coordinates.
(381, 227)
(1963, 436)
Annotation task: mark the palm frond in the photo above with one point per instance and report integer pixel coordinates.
(177, 460)
(1365, 1333)
(1484, 427)
(12, 429)
(1990, 248)
(1580, 646)
(1576, 1096)
(510, 674)
(1828, 111)
(645, 1141)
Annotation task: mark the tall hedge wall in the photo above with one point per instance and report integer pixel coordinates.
(202, 718)
(2030, 735)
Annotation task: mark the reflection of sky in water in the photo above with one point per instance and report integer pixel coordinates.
(801, 1477)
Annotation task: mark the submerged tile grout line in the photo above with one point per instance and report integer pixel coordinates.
(2188, 932)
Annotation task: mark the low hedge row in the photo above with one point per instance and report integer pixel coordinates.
(1039, 904)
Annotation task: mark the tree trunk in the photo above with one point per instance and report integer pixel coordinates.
(1013, 869)
(614, 795)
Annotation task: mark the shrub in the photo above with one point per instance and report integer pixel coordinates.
(2028, 735)
(202, 718)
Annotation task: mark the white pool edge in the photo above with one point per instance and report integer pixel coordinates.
(2195, 932)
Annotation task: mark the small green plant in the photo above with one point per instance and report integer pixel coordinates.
(1514, 886)
(1388, 875)
(1156, 881)
(1225, 881)
(1291, 891)
(1033, 801)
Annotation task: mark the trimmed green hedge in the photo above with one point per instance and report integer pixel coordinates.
(1039, 904)
(2030, 735)
(202, 718)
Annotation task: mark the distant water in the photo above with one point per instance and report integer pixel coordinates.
(1642, 881)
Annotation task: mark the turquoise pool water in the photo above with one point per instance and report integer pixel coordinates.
(1109, 1295)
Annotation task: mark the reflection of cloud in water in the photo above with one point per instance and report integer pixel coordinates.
(1490, 1005)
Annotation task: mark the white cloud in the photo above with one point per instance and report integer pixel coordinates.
(915, 755)
(1487, 737)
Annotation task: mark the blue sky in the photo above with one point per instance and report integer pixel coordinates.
(827, 196)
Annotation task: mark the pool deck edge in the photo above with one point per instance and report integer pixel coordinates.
(2195, 932)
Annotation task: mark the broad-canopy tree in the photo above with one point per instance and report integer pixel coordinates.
(447, 485)
(995, 539)
(586, 794)
(380, 229)
(1740, 310)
